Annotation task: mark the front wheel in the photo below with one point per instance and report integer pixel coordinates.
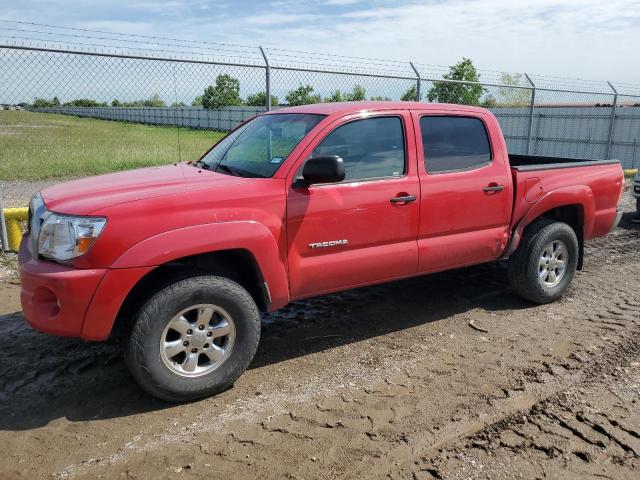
(193, 338)
(545, 262)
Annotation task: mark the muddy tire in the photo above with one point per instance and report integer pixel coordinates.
(193, 339)
(545, 262)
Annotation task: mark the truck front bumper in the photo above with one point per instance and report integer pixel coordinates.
(55, 298)
(70, 302)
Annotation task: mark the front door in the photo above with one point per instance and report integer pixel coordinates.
(363, 229)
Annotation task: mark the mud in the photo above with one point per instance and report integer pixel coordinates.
(382, 382)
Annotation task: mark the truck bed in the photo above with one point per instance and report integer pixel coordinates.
(593, 185)
(527, 163)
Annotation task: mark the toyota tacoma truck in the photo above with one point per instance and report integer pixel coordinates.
(295, 203)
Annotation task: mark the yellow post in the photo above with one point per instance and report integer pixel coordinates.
(14, 216)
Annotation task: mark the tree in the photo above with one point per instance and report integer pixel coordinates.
(154, 101)
(178, 104)
(410, 95)
(334, 97)
(45, 103)
(489, 102)
(460, 93)
(357, 94)
(41, 103)
(302, 96)
(514, 97)
(197, 102)
(84, 102)
(260, 99)
(226, 93)
(380, 98)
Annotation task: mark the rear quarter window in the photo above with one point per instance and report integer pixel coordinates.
(454, 143)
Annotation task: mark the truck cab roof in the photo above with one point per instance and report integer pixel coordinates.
(346, 108)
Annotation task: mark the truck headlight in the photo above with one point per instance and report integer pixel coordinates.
(64, 237)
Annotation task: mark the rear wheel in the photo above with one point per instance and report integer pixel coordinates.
(193, 338)
(545, 262)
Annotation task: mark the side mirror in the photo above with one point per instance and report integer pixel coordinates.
(327, 169)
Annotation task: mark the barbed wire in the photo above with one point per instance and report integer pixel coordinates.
(137, 35)
(207, 49)
(201, 50)
(118, 49)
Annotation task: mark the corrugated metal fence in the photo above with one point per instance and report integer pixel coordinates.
(581, 132)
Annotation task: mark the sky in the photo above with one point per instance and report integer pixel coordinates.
(590, 39)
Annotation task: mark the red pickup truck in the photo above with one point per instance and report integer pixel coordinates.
(295, 203)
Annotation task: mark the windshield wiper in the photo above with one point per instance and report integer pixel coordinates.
(226, 168)
(201, 164)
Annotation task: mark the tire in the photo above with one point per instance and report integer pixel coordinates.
(533, 273)
(638, 207)
(162, 326)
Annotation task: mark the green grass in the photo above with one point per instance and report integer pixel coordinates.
(37, 146)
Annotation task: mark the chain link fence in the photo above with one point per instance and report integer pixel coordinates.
(84, 105)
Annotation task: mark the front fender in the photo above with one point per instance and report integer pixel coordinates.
(183, 242)
(580, 195)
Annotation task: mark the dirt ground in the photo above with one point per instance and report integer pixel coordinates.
(382, 382)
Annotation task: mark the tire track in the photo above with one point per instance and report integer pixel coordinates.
(384, 381)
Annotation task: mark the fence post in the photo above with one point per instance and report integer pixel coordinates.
(613, 120)
(3, 226)
(417, 81)
(531, 107)
(267, 79)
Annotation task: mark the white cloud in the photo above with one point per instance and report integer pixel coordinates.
(341, 2)
(566, 38)
(278, 19)
(584, 38)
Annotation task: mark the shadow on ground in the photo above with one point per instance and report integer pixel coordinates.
(630, 221)
(43, 378)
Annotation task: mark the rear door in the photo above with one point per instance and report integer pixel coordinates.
(466, 189)
(363, 229)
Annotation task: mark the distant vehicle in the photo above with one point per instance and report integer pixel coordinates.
(295, 203)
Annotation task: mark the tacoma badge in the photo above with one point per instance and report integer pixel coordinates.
(330, 243)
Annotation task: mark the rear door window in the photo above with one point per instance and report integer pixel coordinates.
(454, 143)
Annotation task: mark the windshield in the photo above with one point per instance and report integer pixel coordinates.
(257, 148)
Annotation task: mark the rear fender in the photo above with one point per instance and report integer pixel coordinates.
(572, 195)
(247, 235)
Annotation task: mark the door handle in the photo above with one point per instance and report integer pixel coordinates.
(403, 199)
(493, 188)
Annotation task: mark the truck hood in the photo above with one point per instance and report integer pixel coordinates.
(84, 196)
